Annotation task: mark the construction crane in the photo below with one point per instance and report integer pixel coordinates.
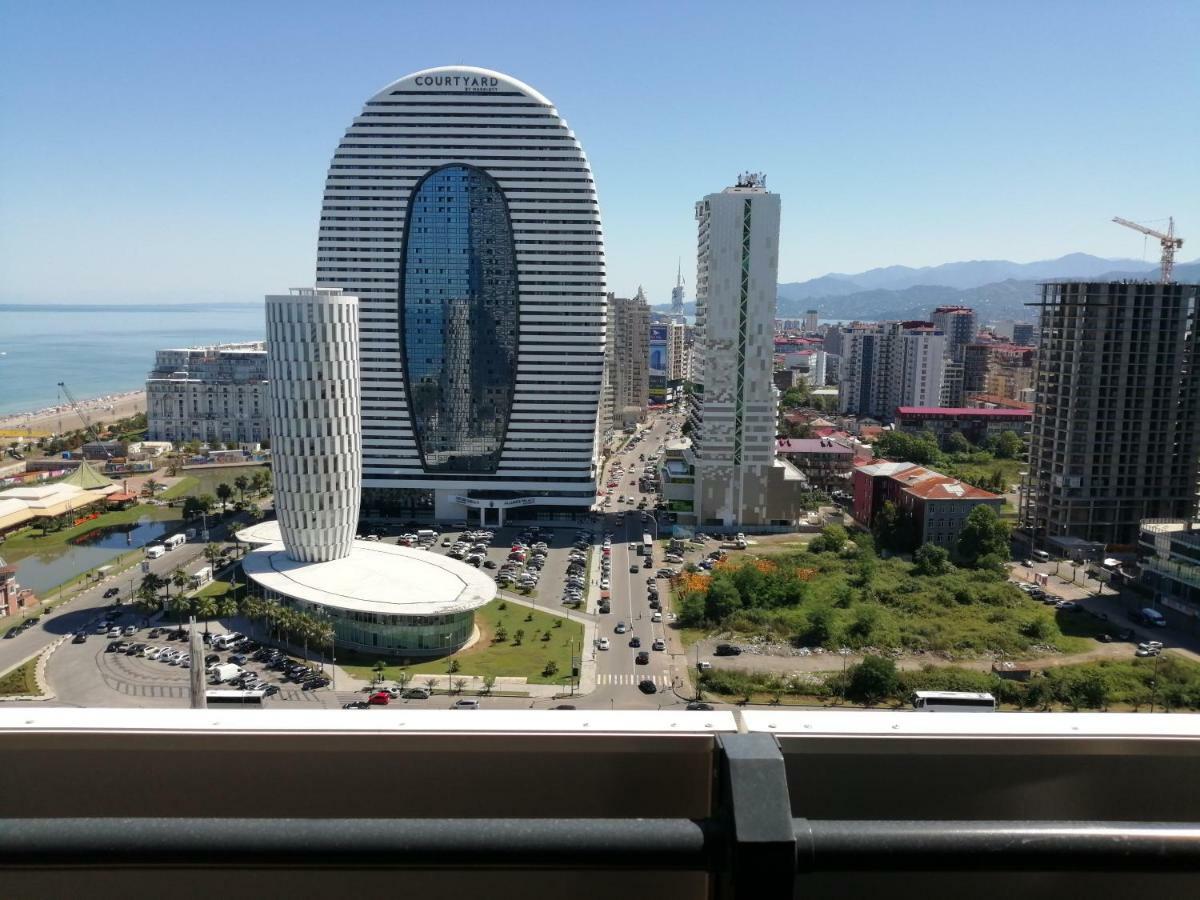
(91, 429)
(1169, 243)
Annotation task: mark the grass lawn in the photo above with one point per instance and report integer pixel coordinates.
(184, 487)
(31, 540)
(20, 681)
(216, 589)
(490, 657)
(205, 481)
(1009, 467)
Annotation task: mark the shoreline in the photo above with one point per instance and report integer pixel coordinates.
(105, 408)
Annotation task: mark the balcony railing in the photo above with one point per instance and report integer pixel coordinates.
(768, 804)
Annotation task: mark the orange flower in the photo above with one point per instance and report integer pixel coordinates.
(806, 574)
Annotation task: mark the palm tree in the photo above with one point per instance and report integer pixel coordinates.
(253, 609)
(206, 608)
(224, 492)
(180, 579)
(151, 485)
(227, 606)
(323, 636)
(179, 604)
(212, 552)
(260, 480)
(241, 483)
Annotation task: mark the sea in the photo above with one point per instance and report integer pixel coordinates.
(98, 350)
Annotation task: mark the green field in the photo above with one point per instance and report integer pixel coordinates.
(1009, 467)
(860, 601)
(194, 482)
(491, 657)
(20, 681)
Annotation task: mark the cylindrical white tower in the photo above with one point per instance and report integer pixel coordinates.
(316, 426)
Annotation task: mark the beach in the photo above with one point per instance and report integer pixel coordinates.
(107, 408)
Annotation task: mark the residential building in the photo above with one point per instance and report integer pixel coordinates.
(678, 358)
(825, 463)
(14, 599)
(957, 323)
(213, 395)
(952, 383)
(461, 210)
(976, 424)
(935, 506)
(890, 364)
(976, 359)
(739, 480)
(1116, 430)
(1022, 333)
(629, 320)
(659, 337)
(1009, 371)
(810, 321)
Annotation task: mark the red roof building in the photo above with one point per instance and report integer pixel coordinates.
(977, 424)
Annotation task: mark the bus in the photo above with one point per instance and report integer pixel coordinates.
(647, 548)
(175, 540)
(235, 698)
(953, 701)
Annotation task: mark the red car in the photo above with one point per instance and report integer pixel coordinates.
(380, 698)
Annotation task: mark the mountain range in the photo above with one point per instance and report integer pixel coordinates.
(996, 288)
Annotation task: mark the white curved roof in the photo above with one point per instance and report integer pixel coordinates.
(261, 533)
(463, 71)
(375, 578)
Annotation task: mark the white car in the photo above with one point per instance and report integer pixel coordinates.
(602, 644)
(604, 584)
(659, 644)
(153, 653)
(657, 617)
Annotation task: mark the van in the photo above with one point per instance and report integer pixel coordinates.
(1040, 556)
(1152, 617)
(154, 551)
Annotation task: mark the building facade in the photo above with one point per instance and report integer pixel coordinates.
(461, 210)
(1023, 333)
(214, 395)
(890, 364)
(1169, 563)
(811, 321)
(629, 320)
(1116, 428)
(934, 506)
(739, 480)
(957, 323)
(314, 412)
(678, 358)
(1009, 371)
(824, 462)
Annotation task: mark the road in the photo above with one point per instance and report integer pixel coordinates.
(617, 673)
(72, 615)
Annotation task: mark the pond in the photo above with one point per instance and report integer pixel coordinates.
(45, 569)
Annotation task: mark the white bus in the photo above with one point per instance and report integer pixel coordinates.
(232, 697)
(175, 540)
(953, 701)
(154, 551)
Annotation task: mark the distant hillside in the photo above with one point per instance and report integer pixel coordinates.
(993, 301)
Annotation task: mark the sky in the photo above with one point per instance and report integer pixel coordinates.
(171, 152)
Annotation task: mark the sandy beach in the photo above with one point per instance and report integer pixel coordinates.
(99, 409)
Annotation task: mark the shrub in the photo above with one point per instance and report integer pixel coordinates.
(872, 680)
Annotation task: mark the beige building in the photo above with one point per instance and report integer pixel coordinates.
(212, 394)
(629, 346)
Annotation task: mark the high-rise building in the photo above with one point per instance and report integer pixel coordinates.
(677, 294)
(810, 322)
(977, 358)
(738, 480)
(1023, 333)
(629, 321)
(888, 365)
(1116, 426)
(678, 357)
(314, 412)
(214, 395)
(1009, 371)
(957, 323)
(461, 210)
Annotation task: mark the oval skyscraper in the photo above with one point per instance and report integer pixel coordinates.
(461, 210)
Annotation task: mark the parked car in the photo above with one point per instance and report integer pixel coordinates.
(356, 704)
(696, 705)
(703, 665)
(416, 694)
(465, 704)
(642, 659)
(111, 592)
(129, 631)
(379, 698)
(727, 650)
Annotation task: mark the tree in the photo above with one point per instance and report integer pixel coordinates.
(930, 559)
(212, 552)
(900, 446)
(453, 666)
(983, 535)
(205, 607)
(241, 483)
(150, 486)
(891, 529)
(872, 680)
(550, 669)
(379, 669)
(403, 677)
(956, 442)
(460, 685)
(1009, 445)
(431, 683)
(518, 637)
(260, 481)
(224, 492)
(722, 599)
(194, 507)
(832, 539)
(489, 682)
(501, 634)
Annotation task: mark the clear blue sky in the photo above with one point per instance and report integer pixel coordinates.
(172, 150)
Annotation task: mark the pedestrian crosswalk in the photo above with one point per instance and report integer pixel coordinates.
(662, 680)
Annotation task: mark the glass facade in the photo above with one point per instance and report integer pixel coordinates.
(459, 308)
